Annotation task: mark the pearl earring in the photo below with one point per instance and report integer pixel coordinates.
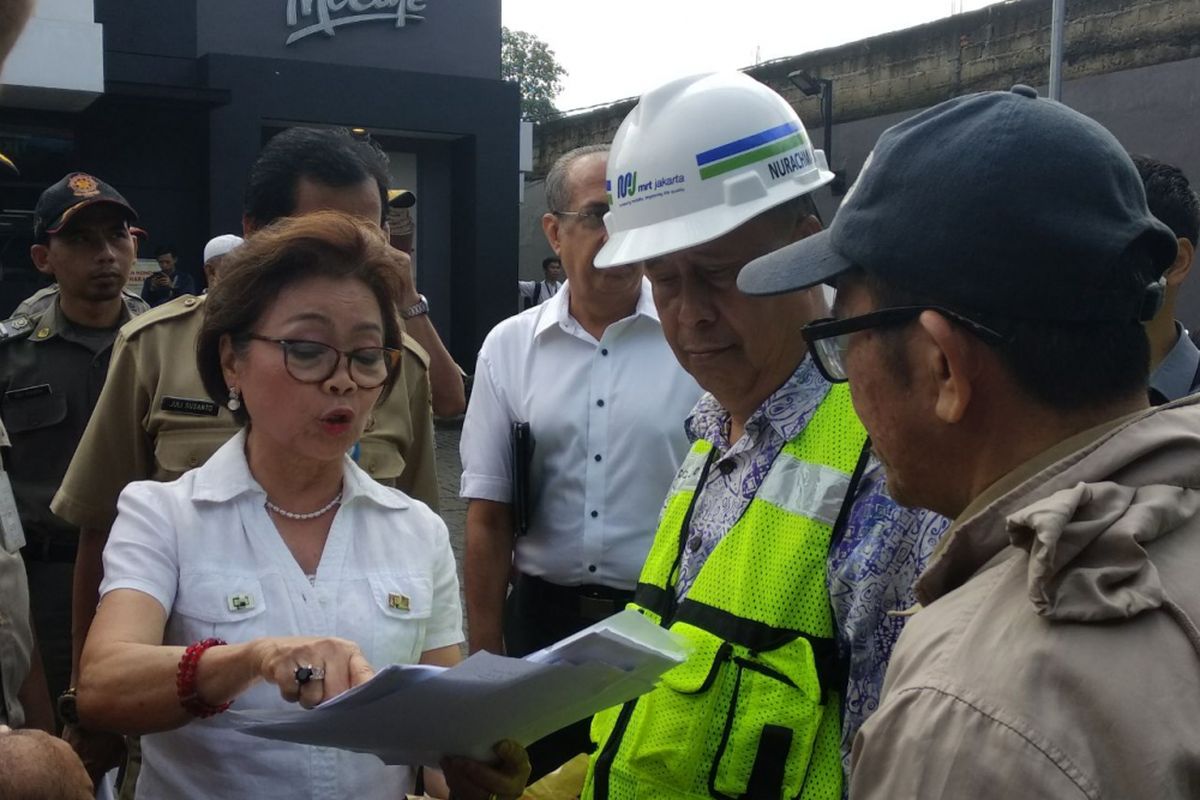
(235, 401)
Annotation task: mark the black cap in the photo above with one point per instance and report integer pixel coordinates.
(77, 190)
(998, 202)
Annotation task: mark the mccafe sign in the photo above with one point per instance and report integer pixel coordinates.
(307, 17)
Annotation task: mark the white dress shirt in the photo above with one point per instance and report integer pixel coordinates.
(607, 423)
(204, 547)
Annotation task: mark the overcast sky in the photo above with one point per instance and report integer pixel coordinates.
(620, 48)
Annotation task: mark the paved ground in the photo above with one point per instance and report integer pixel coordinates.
(454, 508)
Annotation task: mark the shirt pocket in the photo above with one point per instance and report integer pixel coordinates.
(32, 408)
(229, 607)
(402, 605)
(380, 459)
(178, 451)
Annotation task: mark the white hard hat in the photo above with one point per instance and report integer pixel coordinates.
(696, 158)
(220, 245)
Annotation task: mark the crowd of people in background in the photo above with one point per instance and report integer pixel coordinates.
(938, 539)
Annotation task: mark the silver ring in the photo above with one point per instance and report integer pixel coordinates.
(308, 673)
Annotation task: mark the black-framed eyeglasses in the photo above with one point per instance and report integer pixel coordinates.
(316, 362)
(829, 338)
(590, 218)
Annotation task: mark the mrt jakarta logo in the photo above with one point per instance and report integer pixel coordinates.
(307, 17)
(628, 185)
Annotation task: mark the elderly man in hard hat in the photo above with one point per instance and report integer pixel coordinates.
(779, 552)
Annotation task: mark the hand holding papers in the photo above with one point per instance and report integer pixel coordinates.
(417, 714)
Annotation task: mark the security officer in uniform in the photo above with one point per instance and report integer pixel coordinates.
(52, 367)
(154, 419)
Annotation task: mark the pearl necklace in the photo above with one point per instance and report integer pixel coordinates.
(310, 515)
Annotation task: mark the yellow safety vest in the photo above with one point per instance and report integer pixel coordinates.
(755, 710)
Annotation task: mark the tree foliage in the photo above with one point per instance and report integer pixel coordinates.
(530, 63)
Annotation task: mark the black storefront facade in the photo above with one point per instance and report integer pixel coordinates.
(192, 89)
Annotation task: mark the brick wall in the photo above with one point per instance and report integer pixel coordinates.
(991, 48)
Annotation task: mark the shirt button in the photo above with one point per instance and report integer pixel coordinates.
(694, 543)
(591, 567)
(595, 514)
(726, 467)
(600, 403)
(604, 352)
(598, 457)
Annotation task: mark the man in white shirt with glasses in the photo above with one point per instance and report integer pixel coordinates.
(605, 401)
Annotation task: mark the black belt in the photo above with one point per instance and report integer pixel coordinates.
(48, 550)
(591, 601)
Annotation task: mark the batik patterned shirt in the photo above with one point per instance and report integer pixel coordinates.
(872, 570)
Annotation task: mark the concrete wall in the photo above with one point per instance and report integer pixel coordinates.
(991, 48)
(1133, 65)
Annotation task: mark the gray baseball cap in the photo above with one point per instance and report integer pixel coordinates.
(998, 202)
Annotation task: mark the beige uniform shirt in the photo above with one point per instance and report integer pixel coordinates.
(154, 420)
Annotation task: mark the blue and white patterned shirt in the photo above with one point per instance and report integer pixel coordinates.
(872, 570)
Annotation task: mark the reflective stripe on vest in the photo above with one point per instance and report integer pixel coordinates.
(754, 712)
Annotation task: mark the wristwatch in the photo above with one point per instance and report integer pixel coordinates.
(416, 310)
(68, 709)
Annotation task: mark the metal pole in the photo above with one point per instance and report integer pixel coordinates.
(827, 117)
(1057, 26)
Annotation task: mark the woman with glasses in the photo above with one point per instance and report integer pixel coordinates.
(278, 572)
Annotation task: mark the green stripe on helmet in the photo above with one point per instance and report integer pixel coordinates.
(752, 157)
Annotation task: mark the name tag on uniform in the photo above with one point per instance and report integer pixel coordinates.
(28, 392)
(397, 601)
(240, 602)
(184, 405)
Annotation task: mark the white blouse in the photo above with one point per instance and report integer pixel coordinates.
(204, 547)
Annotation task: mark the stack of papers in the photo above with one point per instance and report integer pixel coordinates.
(418, 714)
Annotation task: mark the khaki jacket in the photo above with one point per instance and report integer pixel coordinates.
(1058, 654)
(155, 421)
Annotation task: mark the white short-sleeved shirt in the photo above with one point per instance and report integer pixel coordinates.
(607, 422)
(204, 547)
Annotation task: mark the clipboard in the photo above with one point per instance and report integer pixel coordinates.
(522, 460)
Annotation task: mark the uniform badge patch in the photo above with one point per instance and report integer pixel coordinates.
(84, 185)
(240, 602)
(397, 601)
(13, 327)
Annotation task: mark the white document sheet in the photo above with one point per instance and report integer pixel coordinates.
(417, 714)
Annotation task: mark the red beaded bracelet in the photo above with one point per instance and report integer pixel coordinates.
(185, 681)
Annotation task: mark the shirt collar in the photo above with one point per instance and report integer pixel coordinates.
(978, 533)
(785, 410)
(227, 475)
(1174, 376)
(557, 310)
(52, 322)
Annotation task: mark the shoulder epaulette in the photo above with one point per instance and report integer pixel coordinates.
(17, 327)
(413, 346)
(177, 308)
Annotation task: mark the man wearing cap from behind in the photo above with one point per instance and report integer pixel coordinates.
(52, 367)
(778, 553)
(994, 263)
